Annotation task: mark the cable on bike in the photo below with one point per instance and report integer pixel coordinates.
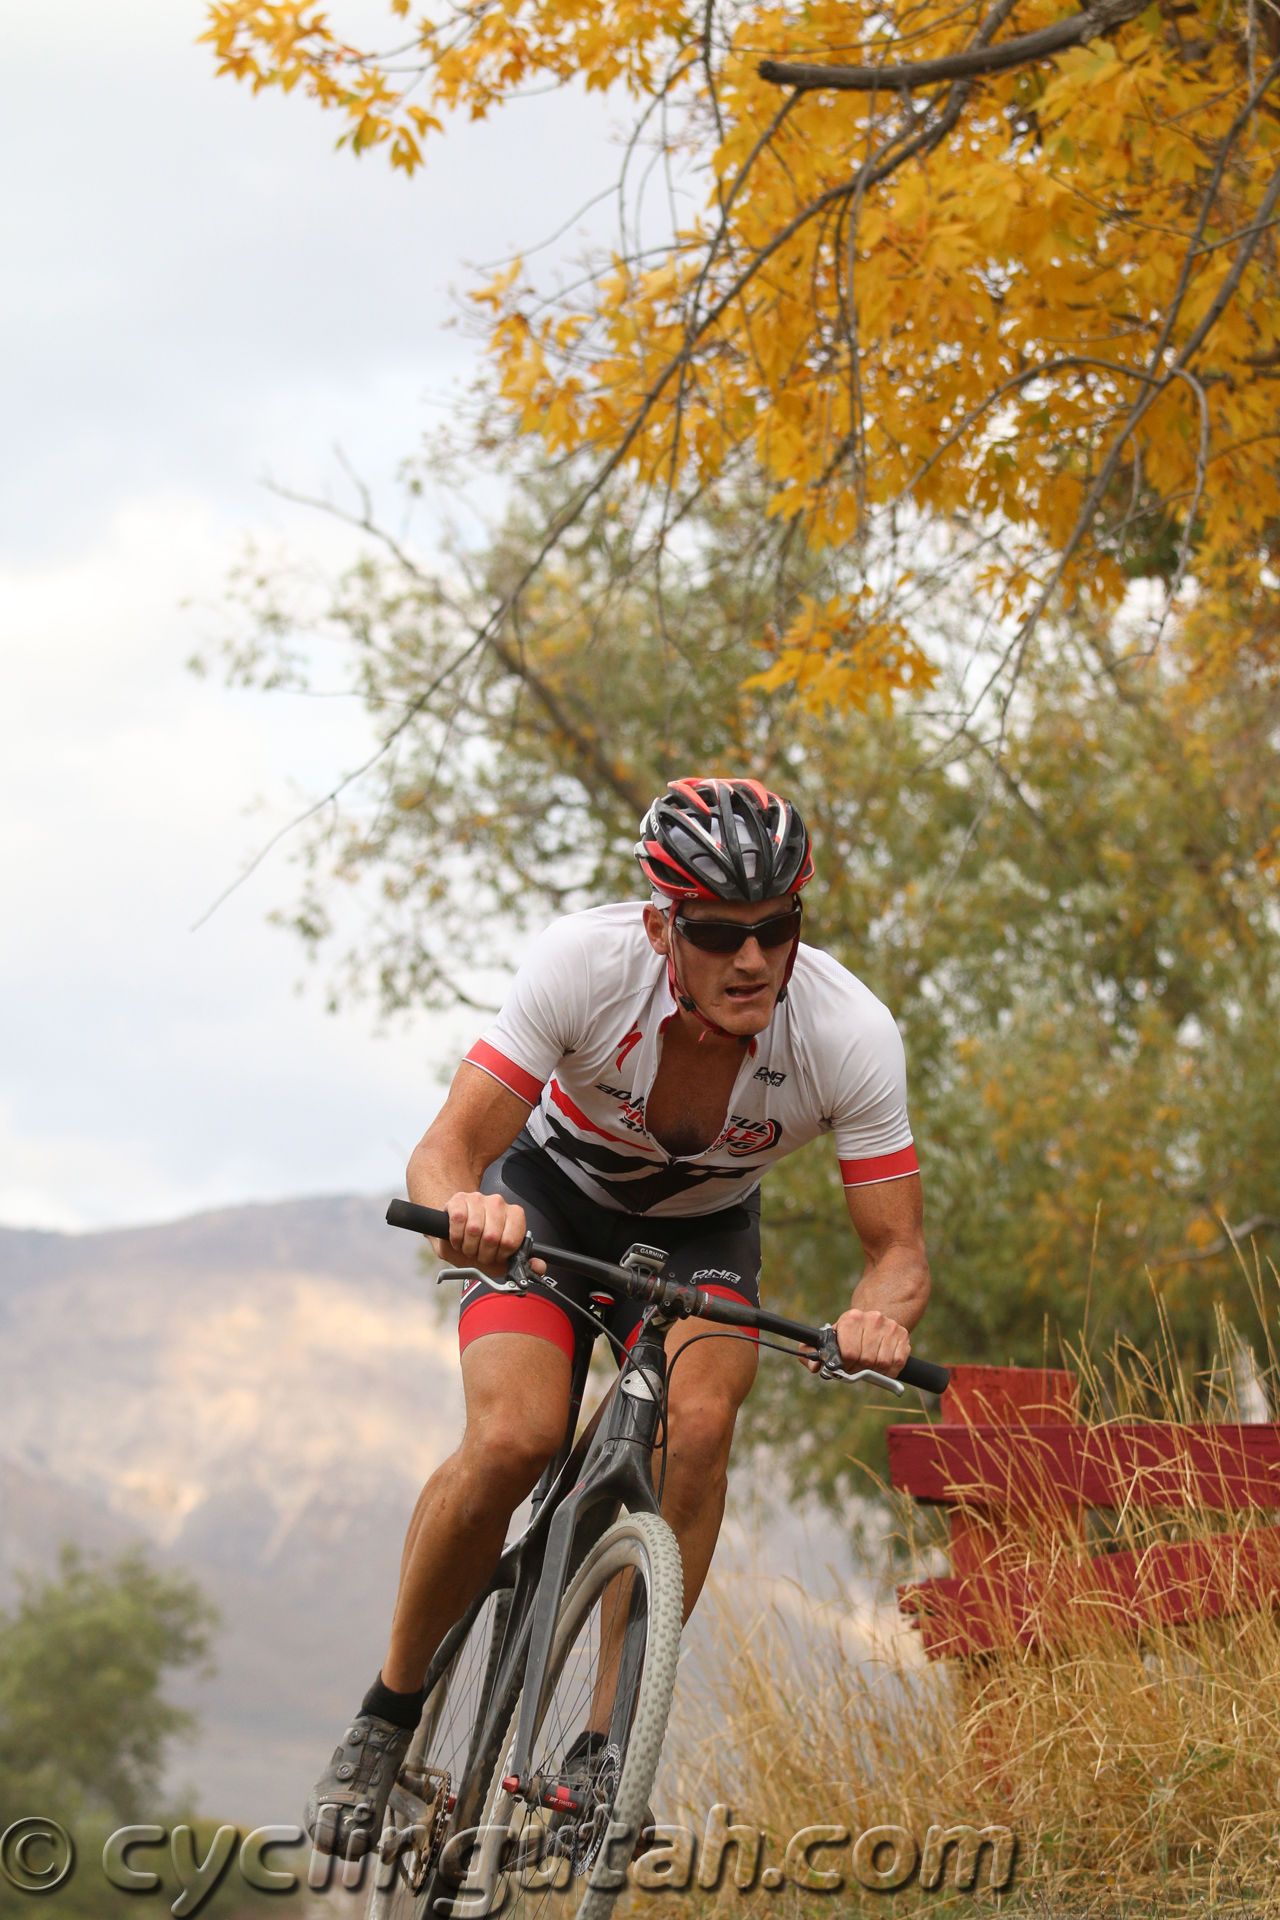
(773, 1347)
(563, 1300)
(623, 1355)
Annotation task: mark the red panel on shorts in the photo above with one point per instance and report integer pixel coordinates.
(509, 1313)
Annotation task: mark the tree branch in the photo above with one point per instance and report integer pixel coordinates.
(588, 750)
(1256, 1223)
(1093, 24)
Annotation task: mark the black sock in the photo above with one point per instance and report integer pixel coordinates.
(401, 1709)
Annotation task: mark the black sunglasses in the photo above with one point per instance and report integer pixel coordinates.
(726, 936)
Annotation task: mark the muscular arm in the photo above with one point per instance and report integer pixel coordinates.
(476, 1124)
(893, 1292)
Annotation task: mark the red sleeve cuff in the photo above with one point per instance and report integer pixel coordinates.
(887, 1166)
(489, 1060)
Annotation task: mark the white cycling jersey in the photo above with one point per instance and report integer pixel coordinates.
(580, 1035)
(579, 1038)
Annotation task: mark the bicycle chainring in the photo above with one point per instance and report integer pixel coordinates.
(415, 1863)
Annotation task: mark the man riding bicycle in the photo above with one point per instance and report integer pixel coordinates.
(650, 1061)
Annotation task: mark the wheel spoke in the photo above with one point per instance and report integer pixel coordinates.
(443, 1747)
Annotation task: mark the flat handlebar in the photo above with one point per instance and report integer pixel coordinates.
(686, 1300)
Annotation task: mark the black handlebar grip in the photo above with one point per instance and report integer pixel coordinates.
(923, 1374)
(404, 1213)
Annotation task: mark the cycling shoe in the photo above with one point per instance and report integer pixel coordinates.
(349, 1801)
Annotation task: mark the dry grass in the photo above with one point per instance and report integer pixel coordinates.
(1140, 1774)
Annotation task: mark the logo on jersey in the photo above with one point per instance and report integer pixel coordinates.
(769, 1076)
(742, 1137)
(631, 1040)
(630, 1112)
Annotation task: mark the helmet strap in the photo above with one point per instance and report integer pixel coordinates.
(690, 1005)
(786, 978)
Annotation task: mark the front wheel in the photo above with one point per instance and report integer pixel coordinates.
(598, 1738)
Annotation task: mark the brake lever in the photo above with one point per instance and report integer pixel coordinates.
(518, 1279)
(833, 1368)
(869, 1373)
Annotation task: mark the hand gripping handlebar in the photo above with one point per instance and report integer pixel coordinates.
(687, 1301)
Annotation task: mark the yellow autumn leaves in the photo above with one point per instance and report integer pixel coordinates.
(1041, 305)
(846, 652)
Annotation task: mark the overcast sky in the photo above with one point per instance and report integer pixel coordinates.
(198, 292)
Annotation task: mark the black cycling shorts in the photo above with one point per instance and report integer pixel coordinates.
(719, 1252)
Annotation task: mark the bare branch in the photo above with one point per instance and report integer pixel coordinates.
(585, 747)
(412, 710)
(1078, 28)
(513, 661)
(1256, 1223)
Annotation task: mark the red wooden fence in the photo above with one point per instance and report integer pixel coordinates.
(1019, 1469)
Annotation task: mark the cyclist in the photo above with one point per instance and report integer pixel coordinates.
(648, 1065)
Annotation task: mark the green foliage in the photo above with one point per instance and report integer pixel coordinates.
(83, 1721)
(1078, 935)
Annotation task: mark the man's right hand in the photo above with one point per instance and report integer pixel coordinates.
(484, 1231)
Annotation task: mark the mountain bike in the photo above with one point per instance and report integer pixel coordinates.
(531, 1767)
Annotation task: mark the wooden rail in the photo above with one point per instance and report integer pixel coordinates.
(1019, 1470)
(1223, 1468)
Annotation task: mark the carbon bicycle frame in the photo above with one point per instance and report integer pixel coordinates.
(576, 1502)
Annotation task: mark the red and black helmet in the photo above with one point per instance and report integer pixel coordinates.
(723, 840)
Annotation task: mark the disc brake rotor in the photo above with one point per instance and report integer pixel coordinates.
(591, 1831)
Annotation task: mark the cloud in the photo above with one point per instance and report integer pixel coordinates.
(200, 288)
(148, 1069)
(198, 291)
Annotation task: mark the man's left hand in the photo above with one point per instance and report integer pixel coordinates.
(872, 1339)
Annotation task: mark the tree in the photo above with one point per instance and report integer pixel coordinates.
(84, 1724)
(994, 278)
(1084, 955)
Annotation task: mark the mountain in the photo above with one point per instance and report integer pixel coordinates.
(260, 1394)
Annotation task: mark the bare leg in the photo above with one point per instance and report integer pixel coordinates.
(517, 1395)
(707, 1388)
